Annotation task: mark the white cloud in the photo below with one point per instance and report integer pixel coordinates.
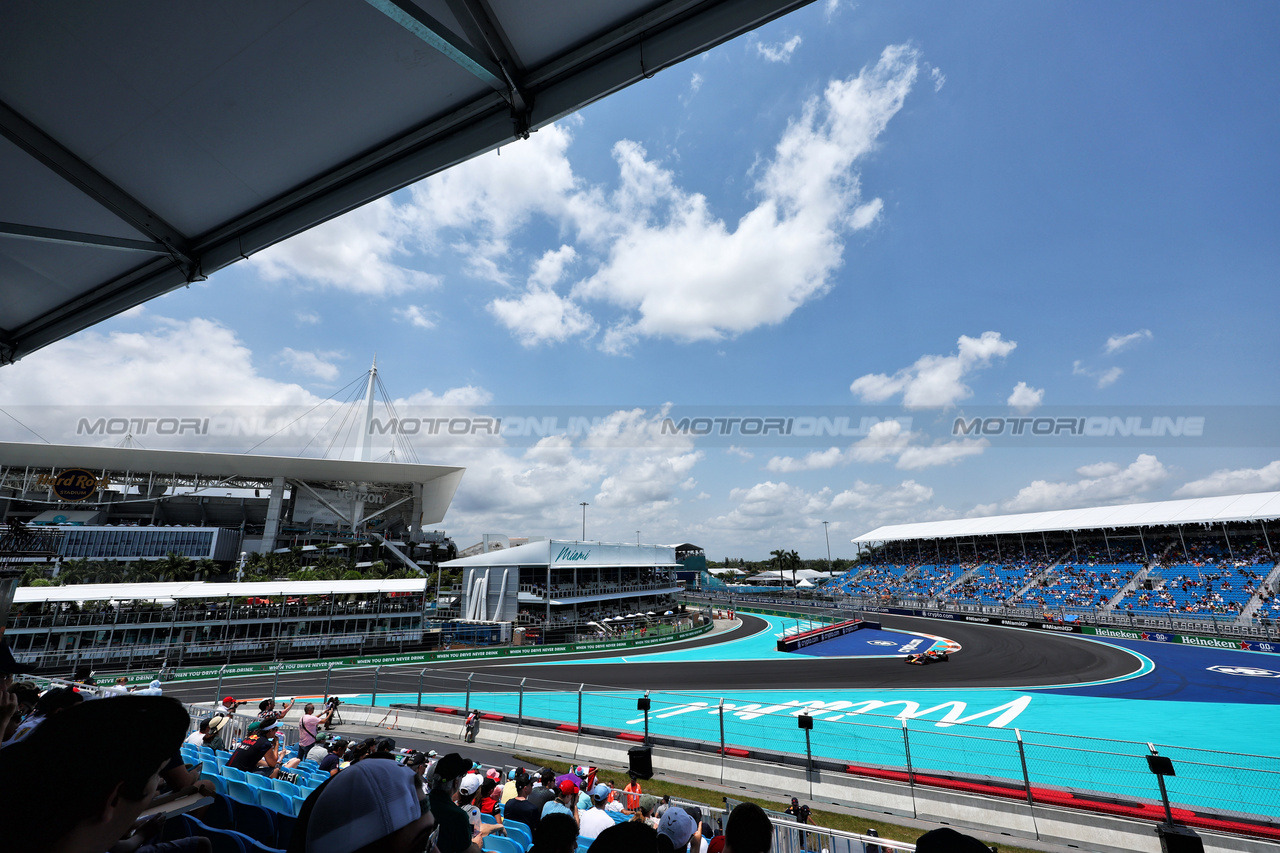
(1104, 378)
(779, 51)
(174, 362)
(681, 272)
(935, 381)
(416, 316)
(944, 453)
(740, 451)
(1117, 343)
(354, 253)
(885, 440)
(939, 79)
(309, 318)
(549, 269)
(1098, 484)
(1233, 481)
(542, 316)
(907, 495)
(1025, 398)
(695, 83)
(317, 364)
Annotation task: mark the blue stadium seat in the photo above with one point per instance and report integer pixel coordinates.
(256, 822)
(231, 774)
(259, 781)
(242, 792)
(222, 813)
(276, 802)
(219, 784)
(207, 751)
(284, 786)
(221, 756)
(517, 831)
(498, 844)
(209, 767)
(487, 818)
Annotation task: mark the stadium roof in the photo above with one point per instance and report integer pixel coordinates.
(202, 589)
(146, 145)
(1251, 507)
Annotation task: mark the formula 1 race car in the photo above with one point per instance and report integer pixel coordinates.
(926, 658)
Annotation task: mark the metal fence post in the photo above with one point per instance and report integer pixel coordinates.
(421, 675)
(275, 685)
(580, 687)
(721, 715)
(377, 670)
(217, 691)
(911, 776)
(328, 673)
(1026, 780)
(466, 704)
(520, 711)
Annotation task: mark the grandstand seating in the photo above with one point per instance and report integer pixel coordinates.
(1072, 585)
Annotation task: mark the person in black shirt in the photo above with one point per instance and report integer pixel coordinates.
(521, 807)
(539, 797)
(258, 748)
(329, 764)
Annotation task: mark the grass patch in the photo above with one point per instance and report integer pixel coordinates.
(830, 820)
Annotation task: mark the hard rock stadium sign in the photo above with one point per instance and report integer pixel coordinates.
(72, 485)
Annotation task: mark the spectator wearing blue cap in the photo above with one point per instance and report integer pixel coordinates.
(596, 820)
(374, 805)
(677, 830)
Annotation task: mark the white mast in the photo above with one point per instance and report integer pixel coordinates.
(366, 441)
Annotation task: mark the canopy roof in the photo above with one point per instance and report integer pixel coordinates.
(202, 589)
(1252, 507)
(567, 553)
(146, 145)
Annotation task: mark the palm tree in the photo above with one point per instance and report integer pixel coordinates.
(793, 562)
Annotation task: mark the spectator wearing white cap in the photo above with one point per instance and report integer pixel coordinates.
(374, 805)
(596, 820)
(456, 833)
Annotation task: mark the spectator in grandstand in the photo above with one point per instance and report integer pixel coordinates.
(375, 806)
(108, 793)
(596, 820)
(329, 764)
(678, 830)
(201, 736)
(748, 830)
(309, 727)
(487, 799)
(456, 835)
(267, 711)
(53, 702)
(544, 792)
(644, 811)
(468, 791)
(629, 837)
(259, 752)
(555, 833)
(566, 790)
(520, 807)
(417, 762)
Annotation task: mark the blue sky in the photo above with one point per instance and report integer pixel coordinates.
(911, 206)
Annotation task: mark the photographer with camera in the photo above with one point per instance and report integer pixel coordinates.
(310, 726)
(331, 704)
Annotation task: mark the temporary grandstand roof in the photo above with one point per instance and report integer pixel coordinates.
(146, 145)
(1251, 507)
(202, 589)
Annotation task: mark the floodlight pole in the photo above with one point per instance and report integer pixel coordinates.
(827, 533)
(584, 506)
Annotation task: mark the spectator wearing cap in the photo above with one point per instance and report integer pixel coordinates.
(201, 736)
(109, 793)
(417, 762)
(487, 799)
(521, 808)
(509, 789)
(375, 806)
(633, 793)
(566, 790)
(644, 812)
(455, 835)
(596, 820)
(748, 830)
(329, 764)
(677, 830)
(259, 752)
(468, 791)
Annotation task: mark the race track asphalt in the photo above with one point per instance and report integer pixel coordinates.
(991, 657)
